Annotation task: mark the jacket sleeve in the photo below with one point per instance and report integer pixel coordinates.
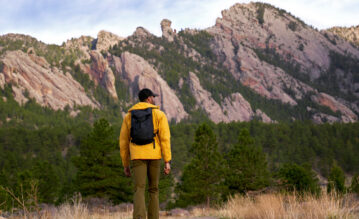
(125, 143)
(165, 136)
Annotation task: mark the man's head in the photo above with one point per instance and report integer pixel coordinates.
(146, 95)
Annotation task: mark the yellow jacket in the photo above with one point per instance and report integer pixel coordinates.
(132, 151)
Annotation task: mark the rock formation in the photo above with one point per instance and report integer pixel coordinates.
(350, 34)
(328, 101)
(100, 72)
(266, 49)
(239, 37)
(138, 73)
(106, 39)
(48, 86)
(233, 108)
(167, 31)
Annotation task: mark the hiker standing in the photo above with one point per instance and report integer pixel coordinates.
(144, 138)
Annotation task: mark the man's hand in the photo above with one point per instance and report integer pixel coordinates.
(167, 169)
(127, 171)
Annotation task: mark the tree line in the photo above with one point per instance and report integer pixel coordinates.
(210, 161)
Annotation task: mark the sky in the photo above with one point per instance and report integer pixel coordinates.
(55, 21)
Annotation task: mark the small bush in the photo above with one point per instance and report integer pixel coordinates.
(293, 26)
(354, 187)
(299, 178)
(260, 13)
(336, 180)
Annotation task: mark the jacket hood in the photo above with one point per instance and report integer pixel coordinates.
(143, 105)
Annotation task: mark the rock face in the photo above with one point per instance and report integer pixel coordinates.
(48, 86)
(265, 49)
(240, 37)
(350, 34)
(100, 72)
(83, 43)
(106, 39)
(167, 31)
(233, 108)
(326, 100)
(138, 74)
(141, 33)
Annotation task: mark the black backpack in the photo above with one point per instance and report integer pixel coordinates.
(142, 127)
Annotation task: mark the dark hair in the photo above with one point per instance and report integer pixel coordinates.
(145, 93)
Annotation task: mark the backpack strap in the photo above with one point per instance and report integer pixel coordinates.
(154, 140)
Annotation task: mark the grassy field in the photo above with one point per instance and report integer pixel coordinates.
(259, 206)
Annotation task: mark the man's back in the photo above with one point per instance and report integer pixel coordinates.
(131, 151)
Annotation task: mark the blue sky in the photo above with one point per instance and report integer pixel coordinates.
(55, 21)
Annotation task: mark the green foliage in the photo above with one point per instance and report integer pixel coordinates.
(301, 47)
(299, 178)
(100, 173)
(271, 56)
(354, 186)
(200, 42)
(1, 66)
(293, 26)
(48, 181)
(165, 186)
(336, 180)
(331, 82)
(202, 177)
(332, 41)
(260, 13)
(247, 166)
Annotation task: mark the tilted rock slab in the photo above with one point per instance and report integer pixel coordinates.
(234, 108)
(140, 74)
(48, 86)
(329, 101)
(100, 72)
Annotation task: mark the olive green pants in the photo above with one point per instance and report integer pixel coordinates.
(143, 169)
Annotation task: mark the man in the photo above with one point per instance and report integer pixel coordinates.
(145, 152)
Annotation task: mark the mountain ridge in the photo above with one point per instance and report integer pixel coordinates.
(254, 56)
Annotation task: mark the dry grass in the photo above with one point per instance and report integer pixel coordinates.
(290, 206)
(76, 209)
(260, 206)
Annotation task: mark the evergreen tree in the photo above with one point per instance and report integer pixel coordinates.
(336, 180)
(100, 172)
(165, 186)
(247, 166)
(48, 181)
(354, 187)
(201, 181)
(298, 178)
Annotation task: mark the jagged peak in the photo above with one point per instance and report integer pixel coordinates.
(350, 34)
(106, 39)
(141, 32)
(82, 41)
(18, 36)
(257, 9)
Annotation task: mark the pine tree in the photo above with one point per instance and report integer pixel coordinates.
(336, 180)
(298, 178)
(201, 181)
(354, 187)
(247, 166)
(100, 172)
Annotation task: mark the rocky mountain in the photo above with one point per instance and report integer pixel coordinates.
(256, 62)
(350, 34)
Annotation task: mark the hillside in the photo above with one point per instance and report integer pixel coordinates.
(256, 62)
(291, 89)
(350, 34)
